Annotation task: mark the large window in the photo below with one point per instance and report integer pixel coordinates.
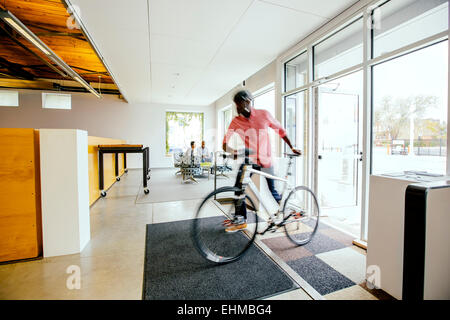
(227, 116)
(402, 22)
(181, 129)
(410, 112)
(340, 51)
(266, 101)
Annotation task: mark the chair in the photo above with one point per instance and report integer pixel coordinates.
(178, 160)
(190, 167)
(221, 169)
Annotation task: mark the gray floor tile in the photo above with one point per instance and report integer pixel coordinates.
(320, 275)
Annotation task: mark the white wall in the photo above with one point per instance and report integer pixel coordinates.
(257, 81)
(109, 117)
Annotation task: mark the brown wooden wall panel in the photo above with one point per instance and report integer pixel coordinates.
(20, 205)
(108, 162)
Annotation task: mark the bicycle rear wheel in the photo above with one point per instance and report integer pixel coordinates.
(301, 215)
(208, 229)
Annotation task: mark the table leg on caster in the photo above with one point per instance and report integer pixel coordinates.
(145, 170)
(100, 174)
(125, 162)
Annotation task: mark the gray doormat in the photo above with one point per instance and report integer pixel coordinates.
(174, 270)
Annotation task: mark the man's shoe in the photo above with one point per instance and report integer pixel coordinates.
(236, 220)
(236, 227)
(299, 214)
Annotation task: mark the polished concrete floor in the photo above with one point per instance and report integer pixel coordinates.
(111, 265)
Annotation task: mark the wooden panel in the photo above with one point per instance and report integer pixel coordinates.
(16, 83)
(48, 19)
(20, 213)
(108, 164)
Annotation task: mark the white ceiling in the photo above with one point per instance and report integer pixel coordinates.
(191, 52)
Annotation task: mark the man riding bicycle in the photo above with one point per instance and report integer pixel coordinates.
(252, 126)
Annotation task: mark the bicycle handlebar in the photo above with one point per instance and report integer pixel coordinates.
(241, 153)
(292, 155)
(247, 152)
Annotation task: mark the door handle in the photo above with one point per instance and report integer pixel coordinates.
(320, 157)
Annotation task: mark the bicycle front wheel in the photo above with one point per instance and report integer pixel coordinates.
(213, 217)
(301, 215)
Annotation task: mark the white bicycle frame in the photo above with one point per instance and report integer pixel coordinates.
(287, 188)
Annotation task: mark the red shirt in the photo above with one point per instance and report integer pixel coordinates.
(253, 131)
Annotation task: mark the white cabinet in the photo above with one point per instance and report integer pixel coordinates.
(386, 223)
(64, 190)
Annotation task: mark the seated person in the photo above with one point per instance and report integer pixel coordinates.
(203, 153)
(189, 155)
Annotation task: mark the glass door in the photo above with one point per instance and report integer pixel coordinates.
(338, 150)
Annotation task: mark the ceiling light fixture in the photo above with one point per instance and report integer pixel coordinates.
(17, 25)
(25, 34)
(87, 86)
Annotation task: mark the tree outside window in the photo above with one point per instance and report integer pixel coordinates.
(181, 129)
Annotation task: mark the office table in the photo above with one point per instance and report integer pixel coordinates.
(124, 149)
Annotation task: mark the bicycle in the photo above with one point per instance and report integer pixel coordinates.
(298, 213)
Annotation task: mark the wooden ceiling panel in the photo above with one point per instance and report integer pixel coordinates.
(48, 12)
(48, 19)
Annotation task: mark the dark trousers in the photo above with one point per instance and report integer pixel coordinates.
(242, 211)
